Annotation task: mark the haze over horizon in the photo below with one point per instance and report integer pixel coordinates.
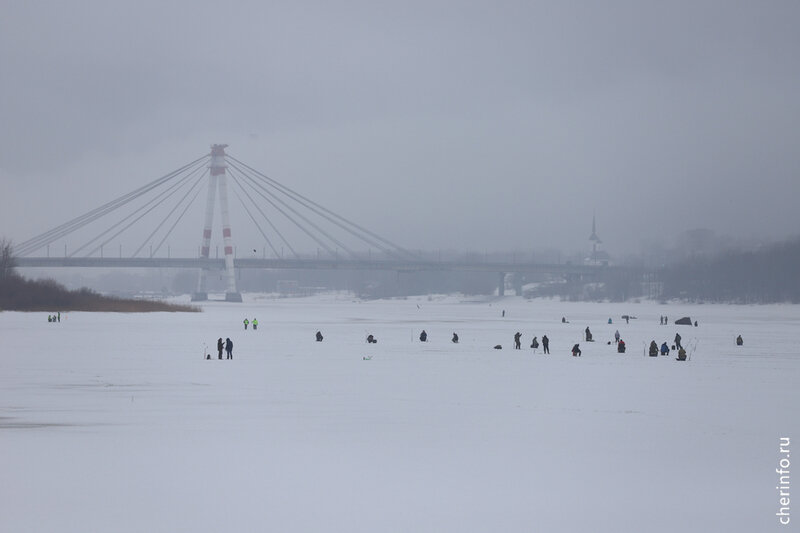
(437, 125)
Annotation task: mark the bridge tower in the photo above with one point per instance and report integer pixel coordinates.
(217, 180)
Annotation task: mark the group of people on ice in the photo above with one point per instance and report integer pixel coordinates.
(654, 349)
(227, 345)
(54, 318)
(247, 323)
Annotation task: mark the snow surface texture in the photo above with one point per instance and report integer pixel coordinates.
(115, 422)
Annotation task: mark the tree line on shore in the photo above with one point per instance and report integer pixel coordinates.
(20, 294)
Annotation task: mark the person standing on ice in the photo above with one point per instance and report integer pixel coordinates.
(588, 334)
(678, 341)
(220, 346)
(229, 348)
(739, 341)
(255, 324)
(616, 336)
(246, 322)
(517, 344)
(545, 344)
(423, 337)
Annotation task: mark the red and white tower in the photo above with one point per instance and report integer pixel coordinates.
(218, 179)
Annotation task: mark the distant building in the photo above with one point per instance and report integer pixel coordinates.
(596, 255)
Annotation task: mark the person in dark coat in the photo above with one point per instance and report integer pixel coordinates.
(229, 348)
(535, 343)
(545, 344)
(621, 346)
(739, 341)
(319, 337)
(423, 337)
(517, 343)
(653, 349)
(678, 341)
(588, 334)
(220, 346)
(576, 351)
(455, 338)
(371, 339)
(664, 349)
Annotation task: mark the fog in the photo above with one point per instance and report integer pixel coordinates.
(465, 126)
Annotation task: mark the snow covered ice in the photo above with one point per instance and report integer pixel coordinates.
(115, 422)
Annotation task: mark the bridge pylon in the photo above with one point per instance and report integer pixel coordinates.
(217, 180)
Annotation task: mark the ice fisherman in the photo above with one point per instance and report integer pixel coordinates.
(681, 355)
(621, 346)
(255, 323)
(319, 336)
(653, 349)
(517, 343)
(455, 337)
(246, 322)
(535, 343)
(423, 337)
(371, 339)
(229, 348)
(576, 350)
(220, 346)
(739, 341)
(678, 341)
(616, 336)
(588, 334)
(545, 344)
(664, 348)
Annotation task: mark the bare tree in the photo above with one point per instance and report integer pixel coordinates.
(7, 260)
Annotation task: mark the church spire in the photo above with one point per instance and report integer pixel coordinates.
(593, 237)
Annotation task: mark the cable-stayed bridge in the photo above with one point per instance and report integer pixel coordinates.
(150, 214)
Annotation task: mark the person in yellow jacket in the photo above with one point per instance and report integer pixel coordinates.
(246, 322)
(255, 323)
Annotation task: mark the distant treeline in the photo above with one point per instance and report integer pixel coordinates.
(767, 275)
(20, 294)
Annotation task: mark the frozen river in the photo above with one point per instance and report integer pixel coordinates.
(115, 422)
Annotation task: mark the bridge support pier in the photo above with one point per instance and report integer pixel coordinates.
(218, 179)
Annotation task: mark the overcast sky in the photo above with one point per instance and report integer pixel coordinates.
(465, 125)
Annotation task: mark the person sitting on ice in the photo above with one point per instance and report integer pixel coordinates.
(588, 334)
(621, 346)
(664, 349)
(455, 338)
(319, 337)
(576, 351)
(653, 349)
(423, 337)
(371, 339)
(535, 343)
(681, 355)
(739, 341)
